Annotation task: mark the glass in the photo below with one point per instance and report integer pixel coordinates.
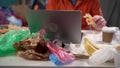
(117, 36)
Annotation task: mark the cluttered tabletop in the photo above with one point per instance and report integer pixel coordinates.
(91, 52)
(18, 61)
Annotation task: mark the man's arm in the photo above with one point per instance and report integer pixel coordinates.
(97, 15)
(95, 7)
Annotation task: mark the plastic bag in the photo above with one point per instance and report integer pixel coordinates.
(102, 55)
(3, 16)
(54, 58)
(8, 39)
(59, 55)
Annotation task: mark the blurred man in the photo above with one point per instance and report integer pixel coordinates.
(86, 6)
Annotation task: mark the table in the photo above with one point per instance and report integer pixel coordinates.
(20, 62)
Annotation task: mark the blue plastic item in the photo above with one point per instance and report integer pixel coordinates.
(57, 61)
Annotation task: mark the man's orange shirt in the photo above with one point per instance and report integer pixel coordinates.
(86, 6)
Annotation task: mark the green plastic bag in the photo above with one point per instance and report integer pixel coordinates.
(8, 39)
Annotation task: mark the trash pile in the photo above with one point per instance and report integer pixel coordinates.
(34, 47)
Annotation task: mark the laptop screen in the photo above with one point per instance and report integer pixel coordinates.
(61, 24)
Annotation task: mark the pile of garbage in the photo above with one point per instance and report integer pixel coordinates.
(34, 47)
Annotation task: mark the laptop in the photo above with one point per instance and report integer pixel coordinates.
(61, 24)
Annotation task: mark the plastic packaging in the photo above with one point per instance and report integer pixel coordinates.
(14, 21)
(8, 39)
(59, 55)
(54, 58)
(102, 55)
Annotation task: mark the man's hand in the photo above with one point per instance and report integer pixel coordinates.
(100, 22)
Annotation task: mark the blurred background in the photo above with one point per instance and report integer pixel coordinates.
(110, 8)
